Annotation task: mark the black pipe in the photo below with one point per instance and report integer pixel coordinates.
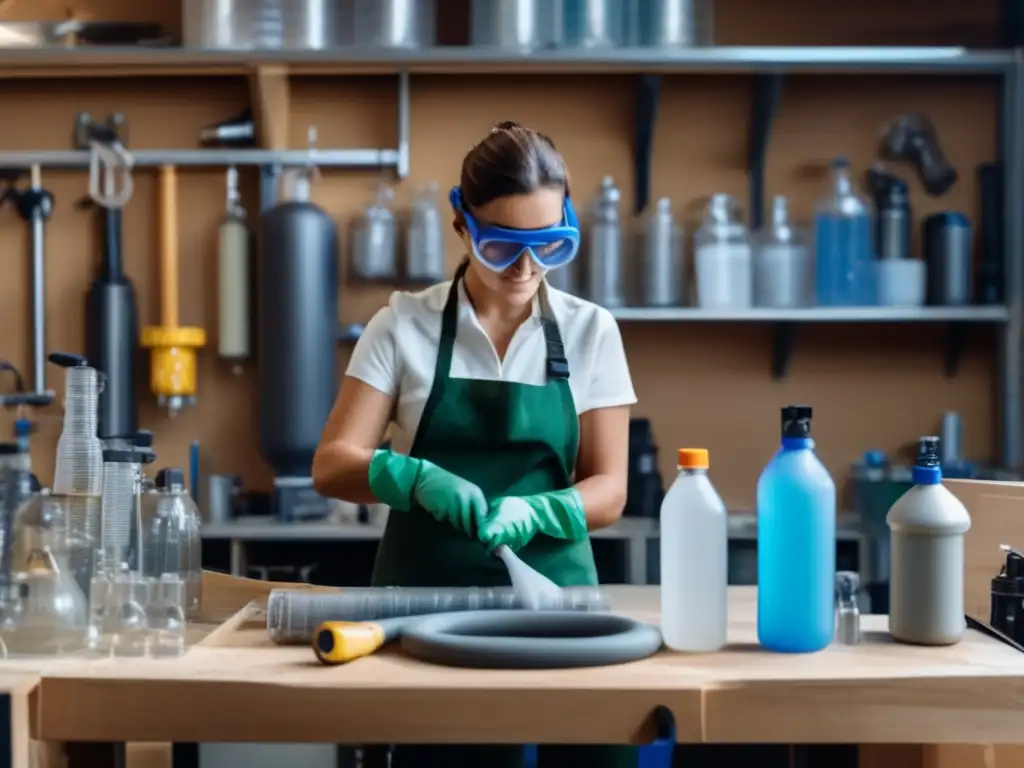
(112, 331)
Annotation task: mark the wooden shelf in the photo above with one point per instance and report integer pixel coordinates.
(179, 62)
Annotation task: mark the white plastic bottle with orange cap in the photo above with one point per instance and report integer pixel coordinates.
(694, 559)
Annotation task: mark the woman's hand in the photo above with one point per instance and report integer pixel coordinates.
(515, 520)
(401, 482)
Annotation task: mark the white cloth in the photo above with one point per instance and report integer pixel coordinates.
(397, 353)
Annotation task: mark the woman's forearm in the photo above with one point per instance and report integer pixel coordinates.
(341, 471)
(604, 497)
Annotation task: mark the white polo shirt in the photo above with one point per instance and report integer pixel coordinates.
(397, 353)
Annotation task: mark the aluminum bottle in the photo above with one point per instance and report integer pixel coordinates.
(604, 253)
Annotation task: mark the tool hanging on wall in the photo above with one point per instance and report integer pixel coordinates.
(112, 326)
(237, 131)
(172, 375)
(111, 316)
(234, 242)
(110, 164)
(34, 204)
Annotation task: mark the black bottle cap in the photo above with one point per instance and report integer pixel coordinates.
(170, 476)
(143, 439)
(127, 456)
(796, 421)
(10, 449)
(67, 360)
(927, 452)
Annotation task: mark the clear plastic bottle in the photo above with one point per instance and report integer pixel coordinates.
(926, 586)
(374, 239)
(694, 565)
(796, 543)
(78, 473)
(722, 257)
(782, 263)
(844, 244)
(170, 537)
(424, 249)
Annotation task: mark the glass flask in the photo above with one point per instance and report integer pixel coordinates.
(49, 614)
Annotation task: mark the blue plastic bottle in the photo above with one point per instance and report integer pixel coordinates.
(796, 543)
(845, 265)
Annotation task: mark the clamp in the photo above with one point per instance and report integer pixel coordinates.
(110, 164)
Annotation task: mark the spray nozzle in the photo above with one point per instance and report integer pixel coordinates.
(68, 360)
(927, 452)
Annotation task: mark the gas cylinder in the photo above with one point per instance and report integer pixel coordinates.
(297, 327)
(233, 342)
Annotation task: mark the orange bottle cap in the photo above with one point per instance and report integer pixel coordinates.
(693, 458)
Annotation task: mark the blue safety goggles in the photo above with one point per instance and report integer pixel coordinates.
(498, 248)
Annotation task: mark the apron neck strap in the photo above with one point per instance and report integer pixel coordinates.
(557, 366)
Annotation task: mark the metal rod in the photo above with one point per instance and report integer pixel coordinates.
(212, 158)
(404, 128)
(1011, 369)
(37, 247)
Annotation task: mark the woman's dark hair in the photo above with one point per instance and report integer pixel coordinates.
(511, 160)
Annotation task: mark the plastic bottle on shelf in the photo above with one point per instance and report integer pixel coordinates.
(926, 585)
(782, 267)
(694, 566)
(722, 257)
(796, 543)
(844, 244)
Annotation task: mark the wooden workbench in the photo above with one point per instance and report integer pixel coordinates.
(235, 686)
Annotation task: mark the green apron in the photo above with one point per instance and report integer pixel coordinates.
(510, 439)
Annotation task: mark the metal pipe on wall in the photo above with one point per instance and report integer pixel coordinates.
(1011, 354)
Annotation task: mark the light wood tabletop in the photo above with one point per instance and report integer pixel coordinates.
(236, 686)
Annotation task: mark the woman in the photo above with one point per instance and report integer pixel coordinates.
(510, 402)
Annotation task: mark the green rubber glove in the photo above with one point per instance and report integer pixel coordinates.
(401, 481)
(515, 520)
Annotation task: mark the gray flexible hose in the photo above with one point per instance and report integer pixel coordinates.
(529, 639)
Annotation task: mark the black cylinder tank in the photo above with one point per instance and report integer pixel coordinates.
(297, 329)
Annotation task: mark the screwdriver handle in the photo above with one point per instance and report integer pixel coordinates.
(338, 642)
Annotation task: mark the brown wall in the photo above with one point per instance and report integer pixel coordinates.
(872, 386)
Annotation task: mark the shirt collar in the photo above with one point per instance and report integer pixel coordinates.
(466, 306)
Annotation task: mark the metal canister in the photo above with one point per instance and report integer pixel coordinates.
(604, 254)
(660, 279)
(947, 250)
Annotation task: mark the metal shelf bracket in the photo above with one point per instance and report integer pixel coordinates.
(766, 97)
(648, 94)
(783, 341)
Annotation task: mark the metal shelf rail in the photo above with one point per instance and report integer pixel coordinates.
(465, 59)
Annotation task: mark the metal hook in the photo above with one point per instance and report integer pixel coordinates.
(105, 160)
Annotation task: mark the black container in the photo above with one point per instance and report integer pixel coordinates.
(645, 489)
(112, 332)
(1008, 598)
(297, 330)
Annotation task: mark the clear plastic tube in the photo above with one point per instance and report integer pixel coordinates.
(79, 466)
(294, 615)
(120, 488)
(78, 474)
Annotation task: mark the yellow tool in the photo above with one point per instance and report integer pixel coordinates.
(337, 642)
(172, 374)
